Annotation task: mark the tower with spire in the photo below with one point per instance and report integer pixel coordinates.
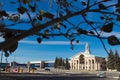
(87, 49)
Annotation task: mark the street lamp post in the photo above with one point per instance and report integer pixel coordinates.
(1, 4)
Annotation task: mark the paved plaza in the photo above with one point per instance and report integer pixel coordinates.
(38, 76)
(59, 75)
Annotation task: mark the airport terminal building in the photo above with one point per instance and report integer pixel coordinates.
(86, 61)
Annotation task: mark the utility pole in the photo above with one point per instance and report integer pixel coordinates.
(1, 4)
(1, 60)
(14, 60)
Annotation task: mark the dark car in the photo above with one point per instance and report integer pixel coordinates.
(2, 69)
(47, 69)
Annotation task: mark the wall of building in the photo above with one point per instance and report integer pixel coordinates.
(86, 61)
(41, 64)
(89, 64)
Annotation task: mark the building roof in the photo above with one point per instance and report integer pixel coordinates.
(86, 53)
(45, 61)
(83, 53)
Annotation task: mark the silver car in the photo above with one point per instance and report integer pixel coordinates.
(101, 74)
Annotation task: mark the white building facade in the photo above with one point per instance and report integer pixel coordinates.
(86, 61)
(41, 64)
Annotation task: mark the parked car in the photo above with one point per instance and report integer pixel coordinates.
(101, 74)
(47, 69)
(2, 69)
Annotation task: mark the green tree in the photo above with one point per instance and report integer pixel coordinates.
(67, 64)
(56, 64)
(117, 61)
(118, 65)
(60, 62)
(58, 21)
(63, 63)
(111, 60)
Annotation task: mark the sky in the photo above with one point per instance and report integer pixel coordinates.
(30, 50)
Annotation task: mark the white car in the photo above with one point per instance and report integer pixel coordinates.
(101, 74)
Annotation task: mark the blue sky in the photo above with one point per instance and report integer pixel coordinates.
(30, 50)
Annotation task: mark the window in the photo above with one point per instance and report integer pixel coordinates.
(77, 61)
(92, 61)
(86, 62)
(81, 58)
(89, 67)
(83, 67)
(89, 61)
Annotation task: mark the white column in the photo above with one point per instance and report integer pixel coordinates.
(73, 64)
(78, 64)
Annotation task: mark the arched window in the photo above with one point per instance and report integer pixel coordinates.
(81, 58)
(89, 61)
(92, 61)
(77, 61)
(86, 62)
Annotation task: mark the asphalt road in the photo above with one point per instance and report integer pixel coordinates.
(26, 76)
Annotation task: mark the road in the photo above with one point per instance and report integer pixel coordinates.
(38, 76)
(59, 75)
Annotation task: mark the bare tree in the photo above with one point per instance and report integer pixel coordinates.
(105, 16)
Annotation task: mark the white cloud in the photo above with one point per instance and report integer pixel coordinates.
(51, 42)
(117, 34)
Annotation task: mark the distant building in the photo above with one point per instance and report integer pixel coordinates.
(15, 64)
(86, 61)
(4, 65)
(41, 64)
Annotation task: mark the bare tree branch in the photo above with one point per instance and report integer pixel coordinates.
(98, 35)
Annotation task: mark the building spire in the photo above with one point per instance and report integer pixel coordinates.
(87, 48)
